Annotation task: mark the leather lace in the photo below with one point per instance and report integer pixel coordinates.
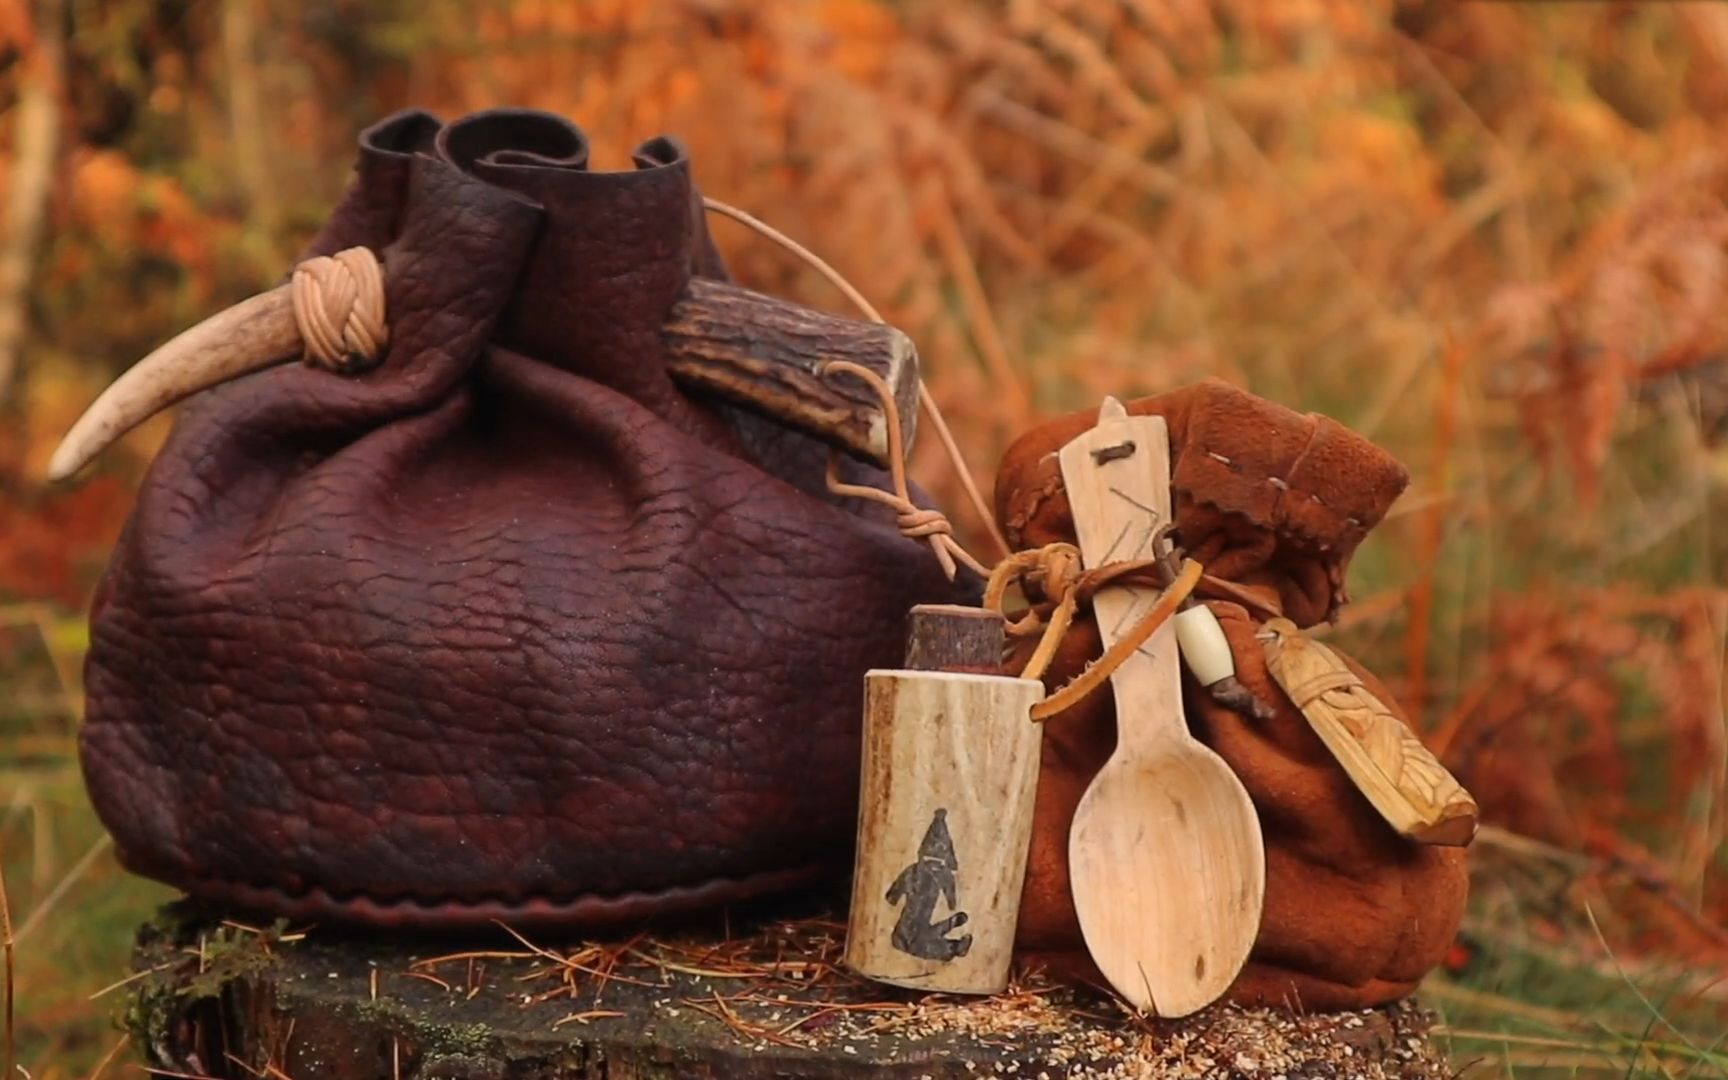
(1055, 568)
(915, 522)
(339, 309)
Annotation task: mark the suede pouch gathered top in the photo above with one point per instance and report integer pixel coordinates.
(1273, 503)
(510, 626)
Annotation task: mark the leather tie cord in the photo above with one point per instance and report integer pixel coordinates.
(914, 521)
(1114, 657)
(339, 309)
(925, 399)
(1056, 568)
(1052, 570)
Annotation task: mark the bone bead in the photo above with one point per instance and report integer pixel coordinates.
(1203, 645)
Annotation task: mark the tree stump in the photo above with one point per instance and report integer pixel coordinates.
(222, 999)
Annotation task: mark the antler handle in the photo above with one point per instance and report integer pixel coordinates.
(767, 355)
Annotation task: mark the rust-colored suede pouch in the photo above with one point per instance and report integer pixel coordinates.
(1274, 503)
(510, 627)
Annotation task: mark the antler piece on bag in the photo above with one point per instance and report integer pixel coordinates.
(766, 355)
(755, 351)
(250, 336)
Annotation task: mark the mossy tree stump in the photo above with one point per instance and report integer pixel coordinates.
(224, 1000)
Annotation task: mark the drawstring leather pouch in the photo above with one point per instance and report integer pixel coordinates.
(512, 616)
(1272, 503)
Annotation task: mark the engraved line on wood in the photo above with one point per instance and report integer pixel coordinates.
(1149, 510)
(1142, 547)
(1116, 544)
(1133, 612)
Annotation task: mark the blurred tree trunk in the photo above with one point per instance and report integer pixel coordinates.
(246, 118)
(36, 145)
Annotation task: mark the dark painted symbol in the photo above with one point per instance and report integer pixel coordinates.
(921, 886)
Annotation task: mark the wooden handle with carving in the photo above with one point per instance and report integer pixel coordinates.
(1384, 759)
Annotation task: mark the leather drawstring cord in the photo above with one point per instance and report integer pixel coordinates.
(1223, 589)
(914, 522)
(1048, 570)
(339, 309)
(925, 399)
(1126, 645)
(1055, 570)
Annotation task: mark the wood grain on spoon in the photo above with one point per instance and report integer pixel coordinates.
(1165, 855)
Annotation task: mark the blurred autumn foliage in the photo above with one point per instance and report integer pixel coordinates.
(1492, 236)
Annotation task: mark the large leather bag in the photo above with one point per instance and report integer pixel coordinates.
(1273, 503)
(511, 626)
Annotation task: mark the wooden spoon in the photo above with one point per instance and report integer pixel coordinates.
(1165, 855)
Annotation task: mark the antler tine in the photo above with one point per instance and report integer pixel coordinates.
(250, 336)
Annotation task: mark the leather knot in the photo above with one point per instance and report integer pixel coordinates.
(339, 309)
(1057, 571)
(1053, 577)
(916, 524)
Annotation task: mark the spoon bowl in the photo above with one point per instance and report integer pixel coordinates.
(1168, 875)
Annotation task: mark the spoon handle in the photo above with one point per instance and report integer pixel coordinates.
(1118, 480)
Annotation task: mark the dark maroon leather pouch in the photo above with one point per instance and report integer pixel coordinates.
(510, 626)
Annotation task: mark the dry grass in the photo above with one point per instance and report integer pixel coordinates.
(1491, 236)
(8, 945)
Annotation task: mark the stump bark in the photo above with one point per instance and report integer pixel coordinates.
(224, 1000)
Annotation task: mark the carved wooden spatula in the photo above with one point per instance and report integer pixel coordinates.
(1165, 854)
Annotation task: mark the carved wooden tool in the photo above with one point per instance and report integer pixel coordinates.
(950, 769)
(1382, 756)
(1165, 854)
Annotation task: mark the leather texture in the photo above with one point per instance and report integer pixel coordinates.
(1275, 502)
(508, 627)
